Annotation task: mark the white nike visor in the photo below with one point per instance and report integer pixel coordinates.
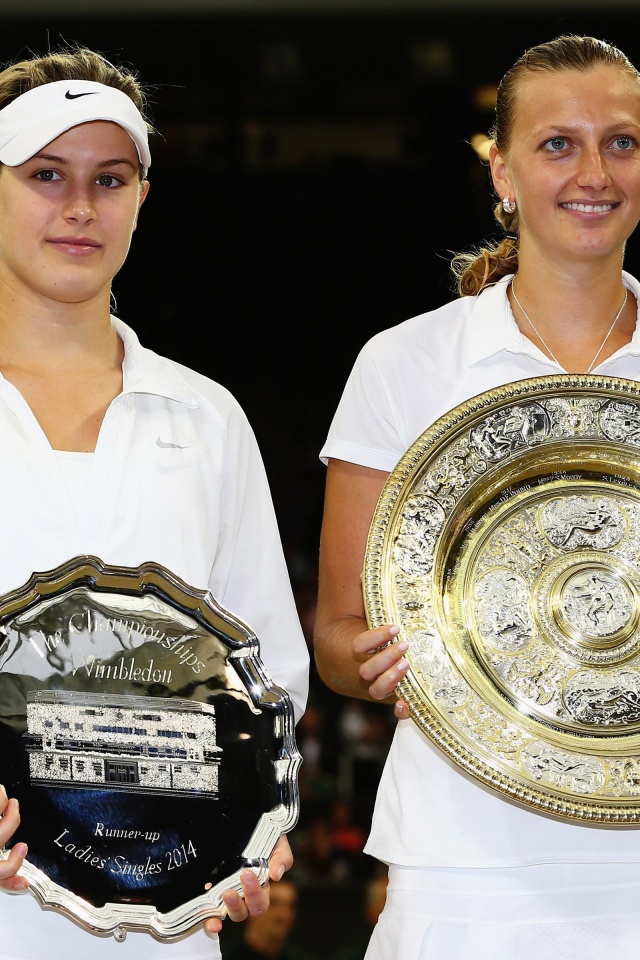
(38, 116)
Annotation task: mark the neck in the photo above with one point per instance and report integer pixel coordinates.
(38, 333)
(571, 317)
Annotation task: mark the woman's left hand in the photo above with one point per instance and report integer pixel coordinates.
(254, 899)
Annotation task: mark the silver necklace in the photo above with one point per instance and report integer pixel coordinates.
(546, 345)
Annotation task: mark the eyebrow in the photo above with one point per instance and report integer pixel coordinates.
(562, 129)
(52, 158)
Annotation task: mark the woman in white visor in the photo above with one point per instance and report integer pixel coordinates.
(107, 449)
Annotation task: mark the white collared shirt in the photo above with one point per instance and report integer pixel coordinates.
(427, 812)
(176, 479)
(407, 376)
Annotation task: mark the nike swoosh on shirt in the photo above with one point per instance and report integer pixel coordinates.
(166, 445)
(74, 96)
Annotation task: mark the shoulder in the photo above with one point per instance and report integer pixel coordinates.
(632, 283)
(449, 316)
(211, 403)
(147, 371)
(445, 338)
(427, 342)
(212, 391)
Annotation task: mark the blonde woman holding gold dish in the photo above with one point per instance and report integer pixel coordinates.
(471, 875)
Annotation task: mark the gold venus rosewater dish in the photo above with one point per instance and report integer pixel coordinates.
(506, 545)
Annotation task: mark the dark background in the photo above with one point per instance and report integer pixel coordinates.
(312, 176)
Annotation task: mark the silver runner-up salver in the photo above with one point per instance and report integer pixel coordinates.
(152, 754)
(506, 545)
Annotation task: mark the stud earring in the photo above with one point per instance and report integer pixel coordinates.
(508, 205)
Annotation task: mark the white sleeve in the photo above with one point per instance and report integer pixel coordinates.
(250, 576)
(367, 428)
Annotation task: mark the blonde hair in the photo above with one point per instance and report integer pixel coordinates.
(489, 262)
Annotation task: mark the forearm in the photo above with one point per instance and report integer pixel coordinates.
(351, 659)
(357, 662)
(336, 661)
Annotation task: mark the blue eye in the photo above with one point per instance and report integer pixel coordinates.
(47, 176)
(108, 180)
(624, 142)
(556, 143)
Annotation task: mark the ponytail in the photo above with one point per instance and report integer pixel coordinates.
(489, 262)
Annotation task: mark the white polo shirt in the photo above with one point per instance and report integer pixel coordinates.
(428, 812)
(177, 479)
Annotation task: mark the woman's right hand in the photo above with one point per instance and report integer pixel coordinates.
(385, 665)
(350, 658)
(9, 822)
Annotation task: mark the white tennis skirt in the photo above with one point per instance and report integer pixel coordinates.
(543, 912)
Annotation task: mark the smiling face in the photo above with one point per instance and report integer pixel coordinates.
(573, 163)
(67, 215)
